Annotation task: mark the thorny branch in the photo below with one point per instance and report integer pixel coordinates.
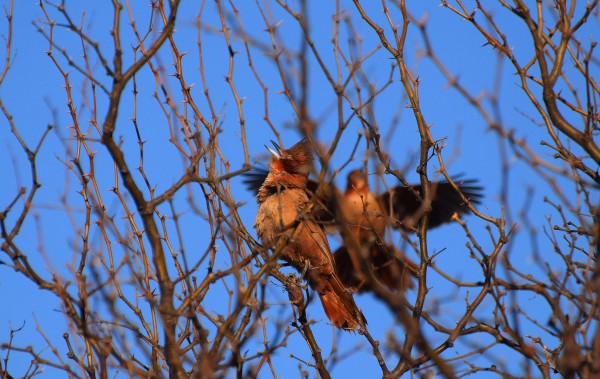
(157, 272)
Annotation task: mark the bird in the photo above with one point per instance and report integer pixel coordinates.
(367, 215)
(284, 223)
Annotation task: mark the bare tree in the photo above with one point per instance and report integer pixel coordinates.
(148, 250)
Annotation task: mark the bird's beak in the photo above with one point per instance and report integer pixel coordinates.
(276, 153)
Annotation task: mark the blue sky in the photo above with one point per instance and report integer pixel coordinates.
(34, 93)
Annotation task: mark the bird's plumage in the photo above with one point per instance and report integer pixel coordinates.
(284, 222)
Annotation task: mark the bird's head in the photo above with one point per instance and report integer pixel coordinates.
(297, 159)
(357, 181)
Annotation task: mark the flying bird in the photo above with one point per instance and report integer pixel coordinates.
(367, 215)
(284, 223)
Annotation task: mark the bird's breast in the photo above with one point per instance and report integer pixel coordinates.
(362, 212)
(278, 211)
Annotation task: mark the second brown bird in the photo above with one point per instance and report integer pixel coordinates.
(366, 216)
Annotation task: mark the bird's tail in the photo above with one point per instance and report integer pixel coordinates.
(390, 267)
(338, 303)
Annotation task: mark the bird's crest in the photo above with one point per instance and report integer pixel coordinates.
(297, 159)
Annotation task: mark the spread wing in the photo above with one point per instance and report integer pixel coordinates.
(403, 205)
(255, 178)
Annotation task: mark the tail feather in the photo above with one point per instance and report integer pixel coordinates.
(393, 268)
(339, 304)
(389, 266)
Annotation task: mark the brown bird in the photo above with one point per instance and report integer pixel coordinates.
(363, 241)
(366, 217)
(284, 223)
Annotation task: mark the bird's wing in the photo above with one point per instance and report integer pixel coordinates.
(403, 205)
(255, 178)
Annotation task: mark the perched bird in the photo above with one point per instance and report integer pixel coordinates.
(367, 215)
(284, 223)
